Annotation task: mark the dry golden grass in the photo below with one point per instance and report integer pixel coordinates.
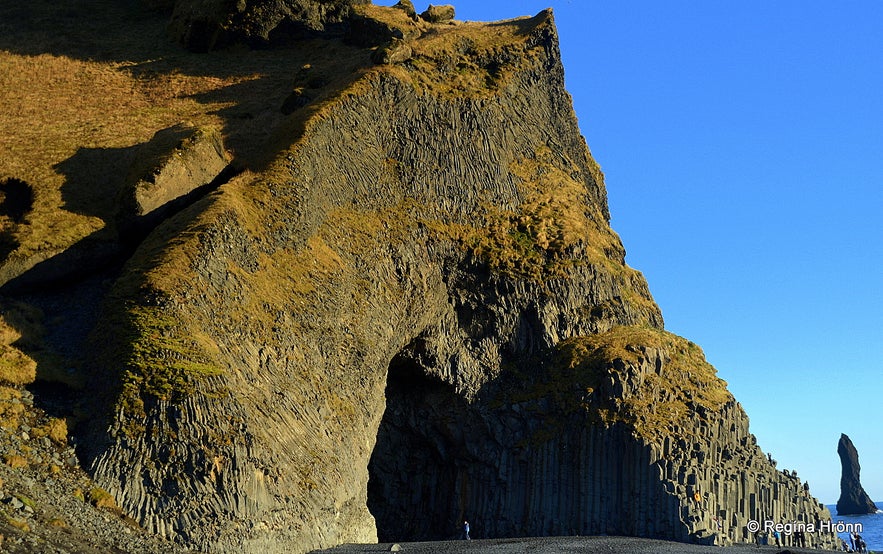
(84, 85)
(16, 367)
(19, 524)
(15, 461)
(11, 408)
(100, 498)
(55, 429)
(463, 59)
(57, 107)
(686, 384)
(553, 228)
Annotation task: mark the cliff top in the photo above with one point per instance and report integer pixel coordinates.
(85, 91)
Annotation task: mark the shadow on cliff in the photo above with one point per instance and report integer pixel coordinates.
(260, 89)
(258, 95)
(495, 461)
(440, 459)
(93, 179)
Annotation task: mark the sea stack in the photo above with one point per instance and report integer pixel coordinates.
(853, 498)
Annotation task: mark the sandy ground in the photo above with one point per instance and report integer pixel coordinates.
(552, 545)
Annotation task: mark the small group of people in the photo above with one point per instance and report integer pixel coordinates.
(777, 538)
(856, 544)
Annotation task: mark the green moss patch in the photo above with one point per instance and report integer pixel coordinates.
(164, 359)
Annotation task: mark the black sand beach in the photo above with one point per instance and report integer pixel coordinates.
(552, 545)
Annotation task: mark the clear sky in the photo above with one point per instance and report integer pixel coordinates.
(742, 144)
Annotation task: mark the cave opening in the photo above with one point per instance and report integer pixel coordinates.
(416, 472)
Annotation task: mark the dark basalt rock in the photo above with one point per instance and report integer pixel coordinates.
(438, 14)
(204, 25)
(375, 26)
(408, 7)
(395, 52)
(417, 314)
(853, 498)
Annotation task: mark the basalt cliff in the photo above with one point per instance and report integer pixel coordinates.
(357, 285)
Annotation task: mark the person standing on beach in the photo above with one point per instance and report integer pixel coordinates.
(466, 531)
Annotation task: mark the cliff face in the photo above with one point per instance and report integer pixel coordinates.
(415, 312)
(641, 426)
(402, 220)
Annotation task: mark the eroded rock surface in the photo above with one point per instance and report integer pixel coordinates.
(408, 309)
(642, 426)
(172, 167)
(853, 498)
(418, 313)
(203, 25)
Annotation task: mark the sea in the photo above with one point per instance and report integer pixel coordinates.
(872, 526)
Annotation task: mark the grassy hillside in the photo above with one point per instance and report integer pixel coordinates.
(84, 85)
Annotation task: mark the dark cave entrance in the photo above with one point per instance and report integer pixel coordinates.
(416, 472)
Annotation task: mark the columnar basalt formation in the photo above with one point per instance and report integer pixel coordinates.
(642, 427)
(853, 498)
(413, 311)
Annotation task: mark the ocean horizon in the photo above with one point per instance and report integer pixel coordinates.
(872, 526)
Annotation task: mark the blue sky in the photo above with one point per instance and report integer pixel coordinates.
(743, 149)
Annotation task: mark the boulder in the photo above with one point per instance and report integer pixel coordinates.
(204, 25)
(295, 101)
(377, 25)
(438, 14)
(408, 7)
(853, 498)
(396, 51)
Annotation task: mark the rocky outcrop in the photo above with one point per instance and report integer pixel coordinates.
(438, 13)
(853, 498)
(418, 312)
(177, 164)
(642, 427)
(150, 182)
(203, 25)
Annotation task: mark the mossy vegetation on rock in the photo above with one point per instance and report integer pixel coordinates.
(646, 378)
(413, 275)
(327, 266)
(163, 359)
